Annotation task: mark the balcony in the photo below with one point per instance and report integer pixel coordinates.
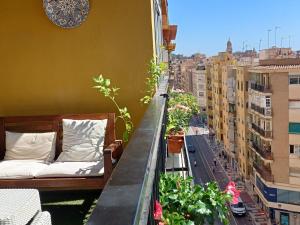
(260, 88)
(129, 196)
(264, 171)
(264, 152)
(261, 110)
(262, 132)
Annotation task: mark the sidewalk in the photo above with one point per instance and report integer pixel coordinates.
(256, 215)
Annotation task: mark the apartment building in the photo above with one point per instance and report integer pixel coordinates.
(59, 63)
(209, 95)
(199, 85)
(243, 155)
(215, 98)
(229, 113)
(274, 134)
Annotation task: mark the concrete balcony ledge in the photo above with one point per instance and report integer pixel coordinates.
(262, 111)
(264, 171)
(262, 132)
(261, 88)
(264, 152)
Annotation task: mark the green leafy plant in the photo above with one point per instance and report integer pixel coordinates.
(178, 120)
(181, 108)
(187, 204)
(185, 99)
(154, 72)
(103, 86)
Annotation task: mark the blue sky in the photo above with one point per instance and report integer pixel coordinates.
(205, 25)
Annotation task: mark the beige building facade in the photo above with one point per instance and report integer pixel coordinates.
(199, 86)
(209, 95)
(229, 113)
(253, 109)
(243, 155)
(215, 95)
(274, 137)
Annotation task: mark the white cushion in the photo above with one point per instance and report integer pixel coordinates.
(20, 169)
(33, 146)
(72, 169)
(83, 140)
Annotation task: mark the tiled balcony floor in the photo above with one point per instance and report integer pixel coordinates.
(69, 208)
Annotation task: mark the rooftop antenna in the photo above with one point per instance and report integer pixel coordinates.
(269, 30)
(243, 46)
(276, 28)
(281, 42)
(259, 44)
(289, 41)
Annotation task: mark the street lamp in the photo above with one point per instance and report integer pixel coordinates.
(276, 28)
(269, 30)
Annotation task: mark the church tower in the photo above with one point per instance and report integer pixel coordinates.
(229, 46)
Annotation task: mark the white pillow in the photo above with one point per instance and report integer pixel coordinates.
(36, 146)
(83, 140)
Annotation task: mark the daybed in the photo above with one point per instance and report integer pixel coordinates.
(61, 152)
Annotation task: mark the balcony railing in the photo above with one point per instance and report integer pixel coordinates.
(264, 152)
(261, 110)
(264, 171)
(262, 132)
(129, 196)
(260, 88)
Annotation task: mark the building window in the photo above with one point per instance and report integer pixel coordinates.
(242, 86)
(238, 84)
(289, 197)
(268, 101)
(295, 149)
(294, 79)
(284, 218)
(294, 104)
(294, 128)
(246, 87)
(292, 149)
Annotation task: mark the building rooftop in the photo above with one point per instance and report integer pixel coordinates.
(275, 68)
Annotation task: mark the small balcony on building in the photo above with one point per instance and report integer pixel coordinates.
(264, 150)
(261, 110)
(264, 170)
(261, 88)
(262, 132)
(231, 108)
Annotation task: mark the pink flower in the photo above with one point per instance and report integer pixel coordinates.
(157, 211)
(231, 189)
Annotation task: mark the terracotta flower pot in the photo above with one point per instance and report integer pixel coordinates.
(175, 143)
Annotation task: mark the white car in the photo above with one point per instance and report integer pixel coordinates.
(239, 208)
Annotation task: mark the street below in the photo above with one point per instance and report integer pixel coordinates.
(204, 170)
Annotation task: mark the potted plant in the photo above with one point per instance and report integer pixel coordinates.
(181, 107)
(178, 120)
(183, 203)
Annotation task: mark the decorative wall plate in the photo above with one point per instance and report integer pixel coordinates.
(66, 13)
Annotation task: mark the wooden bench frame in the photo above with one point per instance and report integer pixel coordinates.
(112, 149)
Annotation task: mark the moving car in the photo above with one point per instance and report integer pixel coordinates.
(239, 208)
(191, 148)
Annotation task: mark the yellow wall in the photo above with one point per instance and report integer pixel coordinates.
(46, 69)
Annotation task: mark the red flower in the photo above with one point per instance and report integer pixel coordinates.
(157, 211)
(231, 189)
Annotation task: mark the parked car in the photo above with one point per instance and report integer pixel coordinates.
(191, 148)
(239, 208)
